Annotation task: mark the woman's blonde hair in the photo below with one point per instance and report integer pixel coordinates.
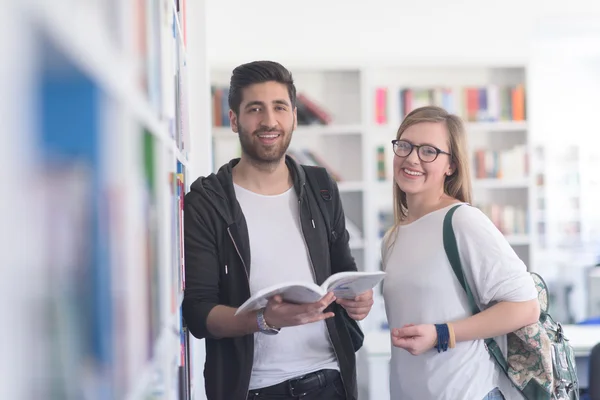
(457, 185)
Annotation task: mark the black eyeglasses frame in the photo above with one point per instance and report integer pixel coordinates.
(413, 146)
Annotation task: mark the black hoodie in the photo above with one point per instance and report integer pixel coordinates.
(218, 264)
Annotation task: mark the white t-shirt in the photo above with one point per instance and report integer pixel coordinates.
(278, 254)
(420, 288)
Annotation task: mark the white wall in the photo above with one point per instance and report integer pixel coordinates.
(343, 32)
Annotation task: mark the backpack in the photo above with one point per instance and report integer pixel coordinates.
(319, 182)
(540, 362)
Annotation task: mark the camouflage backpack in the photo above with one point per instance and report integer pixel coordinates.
(540, 362)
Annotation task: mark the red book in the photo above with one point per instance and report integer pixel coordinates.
(381, 106)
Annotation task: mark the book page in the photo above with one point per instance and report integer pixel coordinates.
(347, 285)
(292, 292)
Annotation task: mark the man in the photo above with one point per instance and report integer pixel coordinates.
(256, 223)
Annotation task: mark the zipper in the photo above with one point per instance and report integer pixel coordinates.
(240, 255)
(315, 275)
(247, 280)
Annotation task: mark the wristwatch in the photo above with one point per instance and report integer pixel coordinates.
(263, 327)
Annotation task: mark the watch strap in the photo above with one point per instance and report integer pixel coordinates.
(263, 326)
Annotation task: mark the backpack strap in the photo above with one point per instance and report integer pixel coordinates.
(451, 248)
(320, 183)
(453, 255)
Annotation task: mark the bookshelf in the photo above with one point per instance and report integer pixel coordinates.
(365, 106)
(105, 144)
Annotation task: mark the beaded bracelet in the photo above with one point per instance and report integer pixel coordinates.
(452, 342)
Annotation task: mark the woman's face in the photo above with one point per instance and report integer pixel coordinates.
(411, 173)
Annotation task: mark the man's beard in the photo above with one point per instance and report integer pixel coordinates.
(261, 155)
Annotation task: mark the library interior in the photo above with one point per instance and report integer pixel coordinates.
(112, 109)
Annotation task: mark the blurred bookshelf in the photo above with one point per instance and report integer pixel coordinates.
(108, 153)
(348, 117)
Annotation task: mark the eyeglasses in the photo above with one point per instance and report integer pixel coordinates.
(426, 153)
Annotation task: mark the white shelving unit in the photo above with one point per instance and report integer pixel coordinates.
(100, 135)
(349, 144)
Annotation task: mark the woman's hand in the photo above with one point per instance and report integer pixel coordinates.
(416, 339)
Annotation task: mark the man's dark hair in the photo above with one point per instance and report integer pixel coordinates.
(258, 72)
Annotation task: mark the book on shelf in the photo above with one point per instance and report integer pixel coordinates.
(345, 285)
(161, 63)
(177, 183)
(501, 164)
(168, 67)
(309, 112)
(509, 219)
(381, 164)
(487, 103)
(311, 158)
(82, 234)
(220, 106)
(181, 196)
(151, 239)
(381, 108)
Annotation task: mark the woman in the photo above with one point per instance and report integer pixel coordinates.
(423, 298)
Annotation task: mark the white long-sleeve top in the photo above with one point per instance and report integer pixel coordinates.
(420, 288)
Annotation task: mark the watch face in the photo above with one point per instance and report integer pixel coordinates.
(270, 331)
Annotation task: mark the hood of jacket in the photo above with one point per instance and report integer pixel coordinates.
(218, 188)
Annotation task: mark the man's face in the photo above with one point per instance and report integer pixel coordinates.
(265, 122)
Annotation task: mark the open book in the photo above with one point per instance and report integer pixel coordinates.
(345, 285)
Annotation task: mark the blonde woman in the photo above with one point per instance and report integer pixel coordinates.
(423, 298)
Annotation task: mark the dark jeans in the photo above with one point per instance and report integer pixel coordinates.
(320, 385)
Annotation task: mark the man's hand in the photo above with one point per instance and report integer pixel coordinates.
(359, 307)
(416, 339)
(280, 314)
